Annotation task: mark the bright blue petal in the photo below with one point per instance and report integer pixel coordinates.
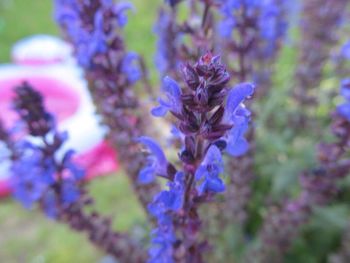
(344, 110)
(155, 149)
(147, 175)
(159, 111)
(345, 89)
(171, 88)
(237, 95)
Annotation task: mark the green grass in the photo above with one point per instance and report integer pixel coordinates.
(27, 236)
(21, 18)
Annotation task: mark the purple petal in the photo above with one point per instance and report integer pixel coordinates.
(237, 95)
(171, 87)
(345, 89)
(155, 149)
(146, 175)
(344, 110)
(159, 111)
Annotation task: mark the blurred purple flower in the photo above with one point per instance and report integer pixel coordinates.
(172, 102)
(156, 162)
(207, 174)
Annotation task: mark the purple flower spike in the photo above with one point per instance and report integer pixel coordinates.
(209, 170)
(157, 162)
(173, 99)
(163, 237)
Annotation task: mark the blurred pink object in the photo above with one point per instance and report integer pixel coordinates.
(56, 76)
(98, 161)
(59, 98)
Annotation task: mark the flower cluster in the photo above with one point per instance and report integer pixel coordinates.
(94, 29)
(167, 43)
(46, 175)
(256, 21)
(319, 31)
(183, 40)
(111, 72)
(213, 120)
(39, 176)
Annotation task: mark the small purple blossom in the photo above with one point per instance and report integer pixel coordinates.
(156, 162)
(163, 237)
(131, 68)
(207, 174)
(172, 101)
(38, 175)
(239, 116)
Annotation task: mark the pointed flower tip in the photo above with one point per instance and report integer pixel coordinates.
(171, 86)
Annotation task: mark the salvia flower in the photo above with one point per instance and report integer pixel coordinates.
(172, 101)
(39, 176)
(45, 176)
(209, 170)
(239, 116)
(95, 28)
(208, 112)
(252, 32)
(157, 162)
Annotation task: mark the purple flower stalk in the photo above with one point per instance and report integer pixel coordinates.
(38, 175)
(41, 177)
(252, 32)
(95, 29)
(173, 49)
(166, 58)
(319, 33)
(260, 27)
(212, 119)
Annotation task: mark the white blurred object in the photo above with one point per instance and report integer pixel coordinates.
(42, 49)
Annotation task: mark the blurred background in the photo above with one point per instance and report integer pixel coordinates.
(27, 236)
